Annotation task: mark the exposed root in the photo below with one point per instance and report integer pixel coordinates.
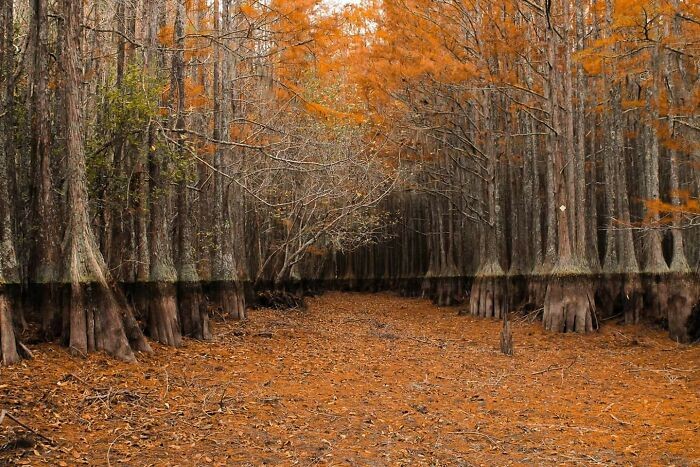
(99, 319)
(448, 291)
(163, 325)
(489, 297)
(683, 305)
(229, 300)
(569, 305)
(192, 310)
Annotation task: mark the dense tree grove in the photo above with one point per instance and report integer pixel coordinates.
(166, 160)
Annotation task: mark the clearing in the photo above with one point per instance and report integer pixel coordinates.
(363, 379)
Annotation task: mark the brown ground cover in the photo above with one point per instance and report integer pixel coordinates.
(363, 380)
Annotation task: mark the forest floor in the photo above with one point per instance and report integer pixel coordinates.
(363, 380)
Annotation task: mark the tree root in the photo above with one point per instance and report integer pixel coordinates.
(229, 300)
(569, 305)
(192, 310)
(489, 298)
(99, 319)
(163, 324)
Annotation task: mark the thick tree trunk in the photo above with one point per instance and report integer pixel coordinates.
(96, 315)
(163, 322)
(228, 295)
(655, 262)
(160, 300)
(9, 271)
(568, 305)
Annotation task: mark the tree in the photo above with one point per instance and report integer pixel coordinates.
(96, 314)
(10, 347)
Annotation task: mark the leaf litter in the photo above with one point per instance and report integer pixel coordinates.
(362, 379)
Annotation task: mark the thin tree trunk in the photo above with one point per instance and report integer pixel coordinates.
(228, 291)
(43, 266)
(192, 309)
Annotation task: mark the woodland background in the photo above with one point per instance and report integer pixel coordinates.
(164, 160)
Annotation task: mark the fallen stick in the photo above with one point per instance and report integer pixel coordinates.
(7, 414)
(555, 368)
(622, 422)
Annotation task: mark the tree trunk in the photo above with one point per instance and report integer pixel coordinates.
(228, 295)
(43, 264)
(192, 308)
(655, 262)
(9, 271)
(160, 302)
(96, 315)
(488, 295)
(569, 304)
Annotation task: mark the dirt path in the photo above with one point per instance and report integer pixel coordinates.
(368, 380)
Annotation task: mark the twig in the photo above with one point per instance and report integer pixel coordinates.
(109, 464)
(79, 379)
(167, 383)
(325, 414)
(7, 414)
(27, 353)
(530, 317)
(619, 421)
(555, 368)
(639, 369)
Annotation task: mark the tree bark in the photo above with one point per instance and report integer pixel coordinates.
(228, 294)
(489, 297)
(569, 304)
(96, 315)
(44, 266)
(192, 308)
(9, 270)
